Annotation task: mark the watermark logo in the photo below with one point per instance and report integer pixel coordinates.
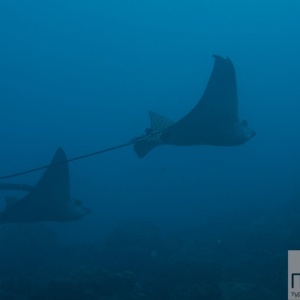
(294, 274)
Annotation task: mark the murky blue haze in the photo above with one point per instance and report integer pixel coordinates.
(183, 222)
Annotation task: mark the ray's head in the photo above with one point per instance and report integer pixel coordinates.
(243, 133)
(76, 210)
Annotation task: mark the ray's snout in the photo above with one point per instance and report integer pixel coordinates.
(253, 133)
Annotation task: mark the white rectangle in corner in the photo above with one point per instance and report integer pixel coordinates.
(294, 274)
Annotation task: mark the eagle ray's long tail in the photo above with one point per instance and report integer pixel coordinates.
(67, 161)
(131, 142)
(142, 144)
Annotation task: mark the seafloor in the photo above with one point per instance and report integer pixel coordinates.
(238, 256)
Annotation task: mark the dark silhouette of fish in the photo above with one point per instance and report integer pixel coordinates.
(48, 200)
(213, 121)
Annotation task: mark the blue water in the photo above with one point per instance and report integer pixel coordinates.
(82, 75)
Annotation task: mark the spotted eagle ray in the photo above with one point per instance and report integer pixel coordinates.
(213, 121)
(48, 200)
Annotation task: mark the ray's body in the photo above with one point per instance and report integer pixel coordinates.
(213, 121)
(48, 200)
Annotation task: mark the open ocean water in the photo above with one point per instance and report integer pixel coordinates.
(182, 223)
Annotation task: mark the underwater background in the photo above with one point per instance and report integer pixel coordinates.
(183, 222)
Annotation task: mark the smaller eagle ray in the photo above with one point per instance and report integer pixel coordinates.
(48, 200)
